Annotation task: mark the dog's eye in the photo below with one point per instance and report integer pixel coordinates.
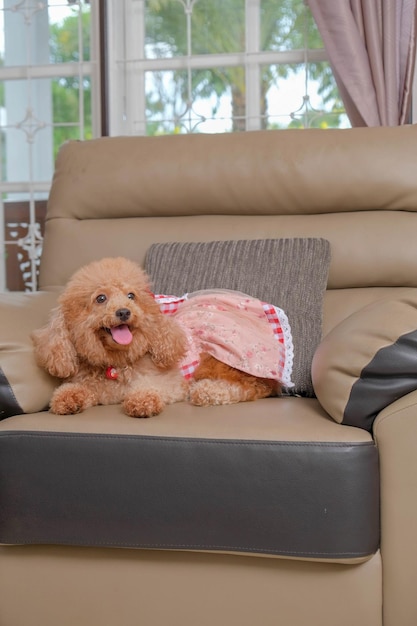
(101, 298)
(131, 296)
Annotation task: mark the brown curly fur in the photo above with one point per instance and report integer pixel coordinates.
(76, 347)
(218, 383)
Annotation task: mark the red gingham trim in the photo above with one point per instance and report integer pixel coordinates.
(168, 304)
(188, 369)
(273, 319)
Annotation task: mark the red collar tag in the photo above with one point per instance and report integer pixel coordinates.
(111, 373)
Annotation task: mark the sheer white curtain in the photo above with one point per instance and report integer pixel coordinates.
(372, 48)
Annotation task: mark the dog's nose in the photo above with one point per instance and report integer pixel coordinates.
(123, 314)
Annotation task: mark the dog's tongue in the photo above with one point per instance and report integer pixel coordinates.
(121, 334)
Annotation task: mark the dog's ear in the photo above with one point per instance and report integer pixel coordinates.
(167, 341)
(54, 350)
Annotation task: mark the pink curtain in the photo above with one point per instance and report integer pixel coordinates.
(372, 47)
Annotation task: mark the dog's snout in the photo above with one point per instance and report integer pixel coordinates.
(123, 314)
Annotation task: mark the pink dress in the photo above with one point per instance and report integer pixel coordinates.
(247, 334)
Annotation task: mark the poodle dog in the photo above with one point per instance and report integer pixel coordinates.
(109, 343)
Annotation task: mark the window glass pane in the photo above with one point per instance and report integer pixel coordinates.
(26, 129)
(218, 26)
(211, 100)
(29, 120)
(21, 26)
(69, 31)
(166, 29)
(72, 114)
(181, 27)
(166, 98)
(40, 33)
(288, 25)
(302, 96)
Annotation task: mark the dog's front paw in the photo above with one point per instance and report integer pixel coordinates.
(143, 404)
(70, 399)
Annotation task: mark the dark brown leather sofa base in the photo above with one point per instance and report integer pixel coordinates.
(301, 498)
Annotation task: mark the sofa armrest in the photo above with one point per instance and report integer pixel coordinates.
(364, 374)
(24, 386)
(395, 432)
(368, 361)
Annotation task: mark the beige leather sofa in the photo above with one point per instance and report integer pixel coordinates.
(298, 510)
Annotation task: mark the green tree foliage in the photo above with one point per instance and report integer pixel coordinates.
(65, 46)
(218, 26)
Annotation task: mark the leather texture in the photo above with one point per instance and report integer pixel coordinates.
(390, 375)
(355, 263)
(395, 431)
(105, 587)
(24, 387)
(357, 189)
(265, 185)
(199, 174)
(368, 360)
(303, 499)
(9, 404)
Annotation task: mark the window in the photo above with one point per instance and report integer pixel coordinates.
(218, 66)
(46, 72)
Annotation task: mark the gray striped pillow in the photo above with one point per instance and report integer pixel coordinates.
(289, 273)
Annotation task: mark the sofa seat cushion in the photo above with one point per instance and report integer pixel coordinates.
(283, 480)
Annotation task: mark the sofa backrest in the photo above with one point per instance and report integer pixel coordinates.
(355, 187)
